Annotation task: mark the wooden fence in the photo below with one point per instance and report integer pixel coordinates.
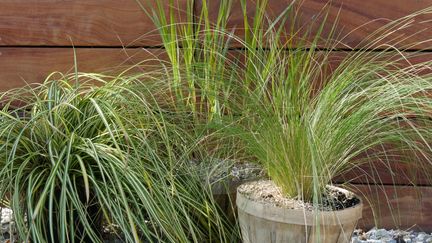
(37, 36)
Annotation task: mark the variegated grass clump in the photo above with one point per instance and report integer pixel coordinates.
(83, 149)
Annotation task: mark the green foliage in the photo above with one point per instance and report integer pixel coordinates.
(303, 121)
(306, 138)
(75, 154)
(84, 147)
(308, 124)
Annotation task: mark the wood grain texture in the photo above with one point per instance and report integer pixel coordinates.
(258, 230)
(393, 207)
(388, 165)
(388, 173)
(356, 19)
(81, 22)
(263, 222)
(19, 66)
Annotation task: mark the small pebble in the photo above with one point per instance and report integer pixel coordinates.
(375, 235)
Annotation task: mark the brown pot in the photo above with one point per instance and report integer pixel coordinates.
(261, 222)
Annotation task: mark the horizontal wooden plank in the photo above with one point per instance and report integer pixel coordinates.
(81, 22)
(356, 20)
(388, 165)
(19, 66)
(388, 173)
(393, 207)
(33, 64)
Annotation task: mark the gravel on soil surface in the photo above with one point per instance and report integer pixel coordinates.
(265, 191)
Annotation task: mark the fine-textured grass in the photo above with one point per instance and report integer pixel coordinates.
(73, 152)
(307, 124)
(306, 139)
(206, 80)
(305, 121)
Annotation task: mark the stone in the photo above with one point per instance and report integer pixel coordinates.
(374, 241)
(421, 236)
(6, 215)
(389, 241)
(371, 232)
(363, 236)
(407, 239)
(357, 240)
(381, 233)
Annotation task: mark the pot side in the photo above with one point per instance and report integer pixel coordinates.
(260, 222)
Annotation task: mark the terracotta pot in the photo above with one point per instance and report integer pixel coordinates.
(261, 222)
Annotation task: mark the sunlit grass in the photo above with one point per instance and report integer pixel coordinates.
(302, 117)
(75, 152)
